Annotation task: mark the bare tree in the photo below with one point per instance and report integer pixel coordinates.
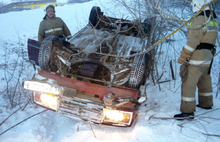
(164, 17)
(15, 73)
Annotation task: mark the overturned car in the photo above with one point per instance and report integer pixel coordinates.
(96, 75)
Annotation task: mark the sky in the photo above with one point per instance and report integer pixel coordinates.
(162, 101)
(10, 1)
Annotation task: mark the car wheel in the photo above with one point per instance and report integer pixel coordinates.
(137, 76)
(45, 52)
(147, 25)
(94, 16)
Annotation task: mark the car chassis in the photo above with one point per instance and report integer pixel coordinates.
(96, 75)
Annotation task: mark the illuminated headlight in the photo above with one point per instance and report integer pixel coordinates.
(117, 116)
(46, 100)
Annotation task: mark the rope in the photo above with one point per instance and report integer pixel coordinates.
(158, 42)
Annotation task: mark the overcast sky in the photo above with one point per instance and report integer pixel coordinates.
(9, 1)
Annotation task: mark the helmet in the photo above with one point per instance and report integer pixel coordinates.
(48, 6)
(197, 4)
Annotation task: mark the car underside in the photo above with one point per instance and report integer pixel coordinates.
(96, 75)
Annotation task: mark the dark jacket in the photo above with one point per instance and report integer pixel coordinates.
(53, 26)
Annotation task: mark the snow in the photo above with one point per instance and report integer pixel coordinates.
(17, 27)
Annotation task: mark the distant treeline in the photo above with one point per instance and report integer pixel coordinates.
(9, 8)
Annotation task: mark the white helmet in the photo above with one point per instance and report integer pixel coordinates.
(197, 4)
(49, 5)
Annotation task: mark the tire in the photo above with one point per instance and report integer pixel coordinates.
(137, 74)
(44, 57)
(94, 16)
(147, 25)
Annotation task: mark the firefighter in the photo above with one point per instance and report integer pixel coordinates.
(52, 25)
(197, 53)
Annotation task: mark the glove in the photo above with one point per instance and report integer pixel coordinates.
(183, 72)
(183, 57)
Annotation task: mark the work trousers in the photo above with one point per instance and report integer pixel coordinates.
(196, 76)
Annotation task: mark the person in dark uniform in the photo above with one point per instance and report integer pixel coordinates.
(52, 25)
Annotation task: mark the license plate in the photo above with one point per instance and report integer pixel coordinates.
(41, 87)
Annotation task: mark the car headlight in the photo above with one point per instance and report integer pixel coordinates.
(46, 100)
(45, 94)
(117, 116)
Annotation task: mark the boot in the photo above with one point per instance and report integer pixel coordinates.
(204, 107)
(184, 116)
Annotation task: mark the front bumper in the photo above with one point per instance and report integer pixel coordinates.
(93, 111)
(82, 105)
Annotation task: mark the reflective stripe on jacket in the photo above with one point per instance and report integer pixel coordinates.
(53, 26)
(207, 34)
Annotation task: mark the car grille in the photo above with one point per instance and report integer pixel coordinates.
(81, 109)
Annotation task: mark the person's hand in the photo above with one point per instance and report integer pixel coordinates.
(183, 57)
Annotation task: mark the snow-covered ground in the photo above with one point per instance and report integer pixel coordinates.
(17, 27)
